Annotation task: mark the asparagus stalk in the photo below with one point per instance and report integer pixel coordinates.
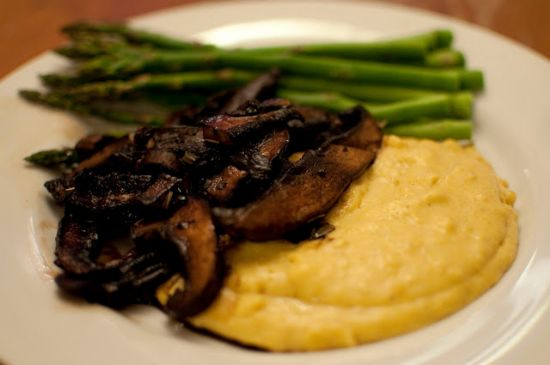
(90, 48)
(434, 129)
(434, 106)
(131, 35)
(94, 39)
(445, 57)
(122, 65)
(363, 91)
(212, 80)
(64, 102)
(200, 80)
(412, 48)
(56, 158)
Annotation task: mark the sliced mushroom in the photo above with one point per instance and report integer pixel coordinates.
(132, 279)
(366, 134)
(77, 245)
(192, 231)
(262, 87)
(222, 187)
(173, 148)
(102, 156)
(260, 158)
(308, 190)
(103, 192)
(230, 130)
(91, 144)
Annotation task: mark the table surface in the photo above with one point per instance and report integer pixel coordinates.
(29, 27)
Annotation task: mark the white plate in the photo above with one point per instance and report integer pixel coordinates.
(508, 325)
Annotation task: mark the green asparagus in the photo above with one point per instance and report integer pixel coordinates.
(64, 102)
(359, 91)
(130, 35)
(213, 80)
(91, 39)
(123, 65)
(412, 48)
(61, 159)
(434, 106)
(434, 129)
(200, 80)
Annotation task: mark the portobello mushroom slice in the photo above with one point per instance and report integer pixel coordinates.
(104, 192)
(221, 187)
(305, 192)
(102, 156)
(366, 134)
(132, 279)
(192, 232)
(230, 130)
(316, 127)
(77, 245)
(60, 188)
(91, 144)
(173, 148)
(261, 88)
(229, 101)
(260, 159)
(251, 168)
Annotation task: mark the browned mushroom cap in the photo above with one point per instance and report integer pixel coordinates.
(77, 244)
(192, 231)
(262, 87)
(311, 187)
(316, 127)
(172, 148)
(229, 130)
(102, 155)
(103, 192)
(306, 191)
(260, 158)
(131, 279)
(366, 134)
(253, 166)
(222, 186)
(91, 144)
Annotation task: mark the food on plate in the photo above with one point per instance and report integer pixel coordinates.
(134, 77)
(425, 231)
(179, 189)
(261, 199)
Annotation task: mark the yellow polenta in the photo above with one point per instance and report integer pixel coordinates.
(426, 230)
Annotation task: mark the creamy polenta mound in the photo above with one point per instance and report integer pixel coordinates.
(425, 231)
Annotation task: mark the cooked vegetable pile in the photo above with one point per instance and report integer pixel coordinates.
(231, 145)
(183, 192)
(417, 86)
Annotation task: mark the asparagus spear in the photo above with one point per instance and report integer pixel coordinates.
(434, 129)
(122, 65)
(200, 80)
(90, 41)
(445, 57)
(212, 80)
(61, 159)
(91, 47)
(434, 106)
(412, 48)
(130, 35)
(359, 91)
(64, 102)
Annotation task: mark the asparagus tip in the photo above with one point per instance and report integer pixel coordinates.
(472, 80)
